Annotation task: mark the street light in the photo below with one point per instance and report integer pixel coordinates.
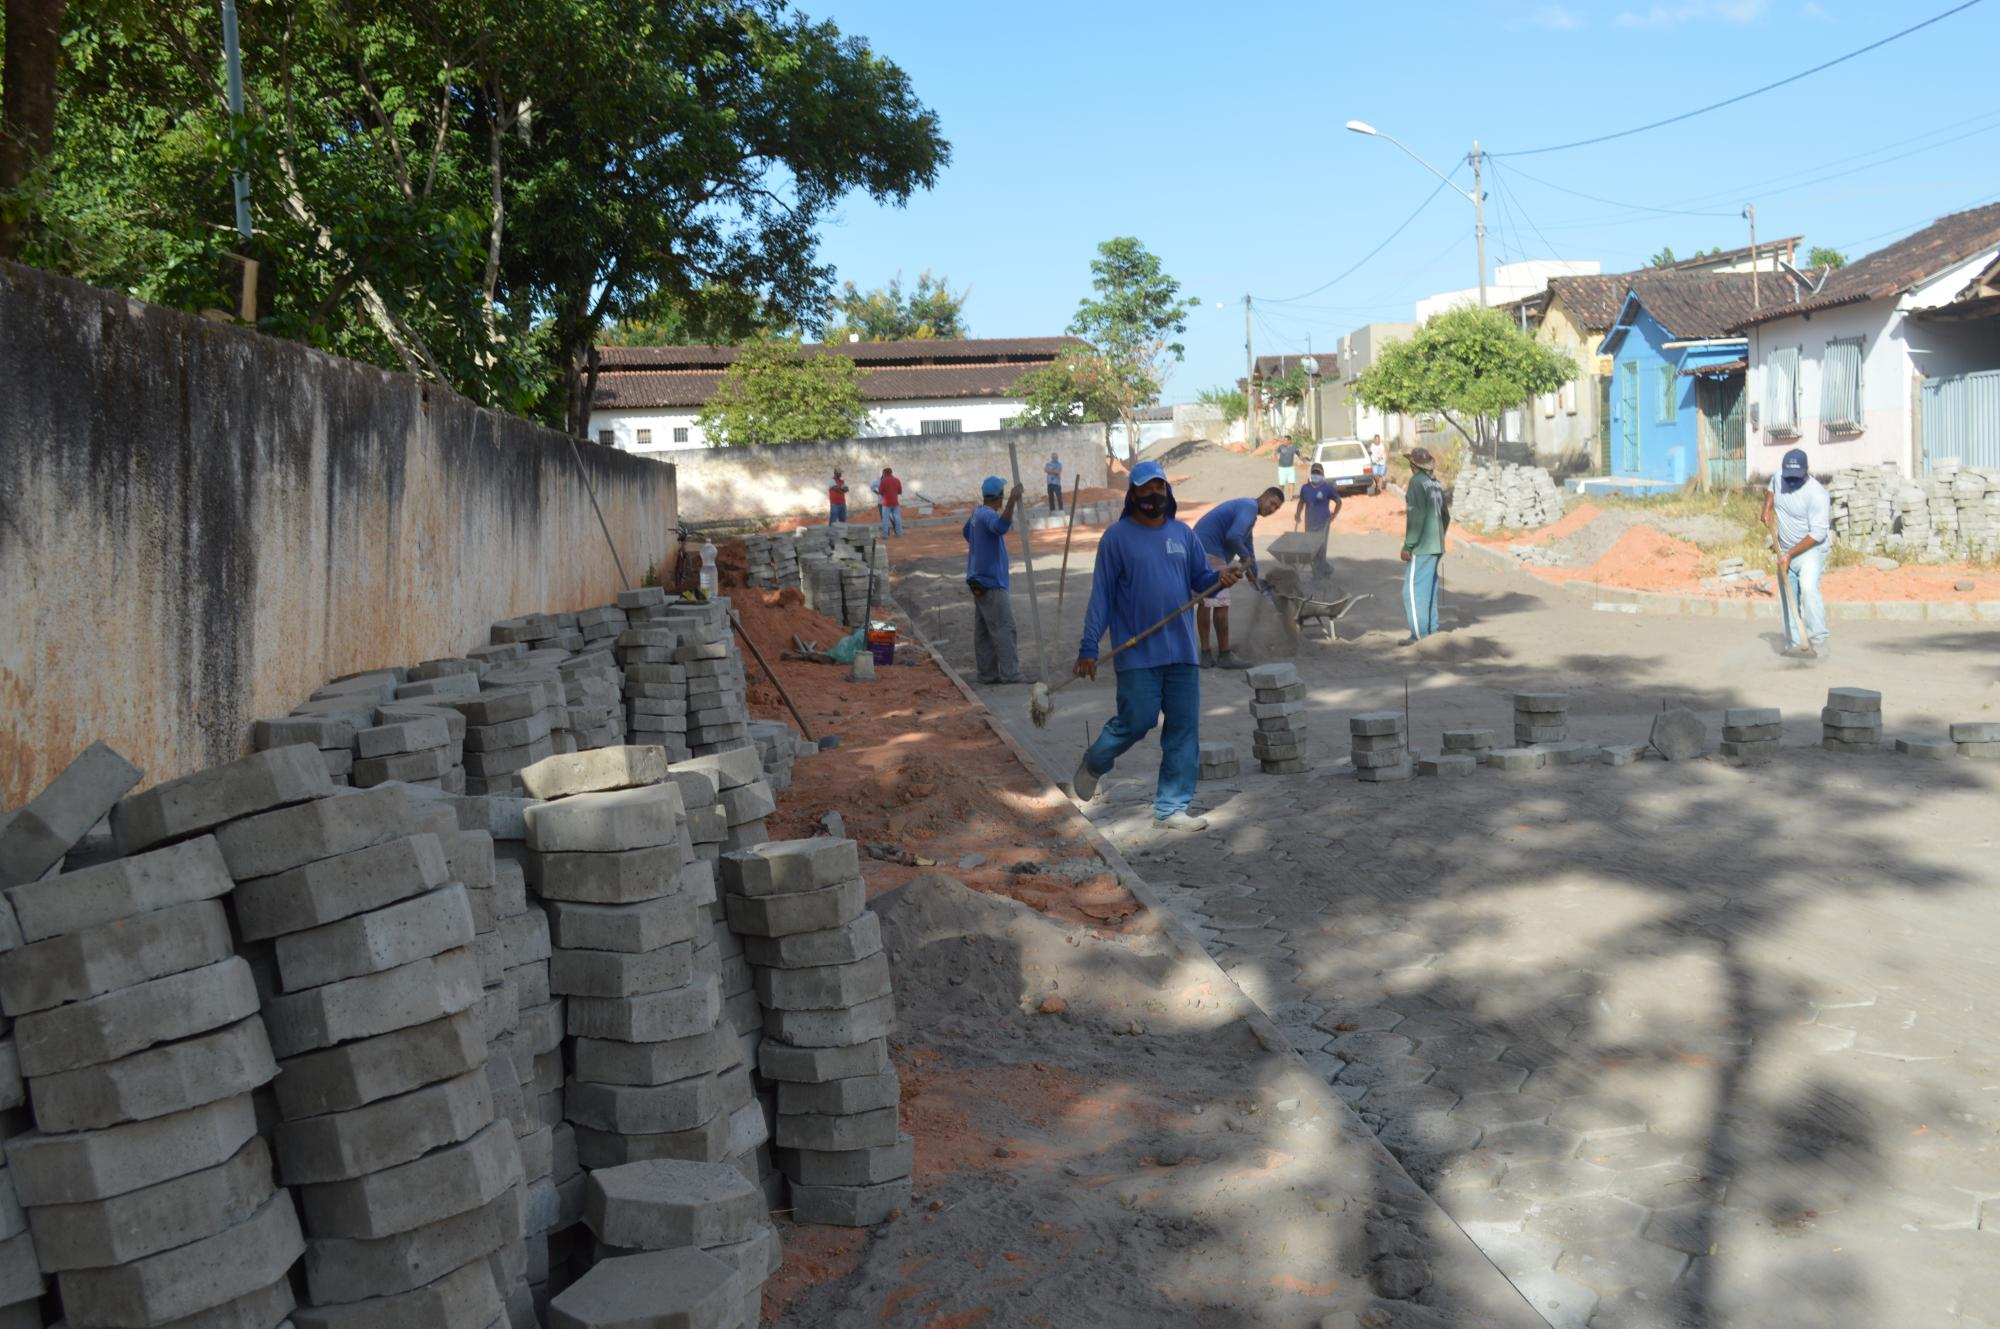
(1476, 194)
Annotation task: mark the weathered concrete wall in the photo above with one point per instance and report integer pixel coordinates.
(789, 478)
(199, 525)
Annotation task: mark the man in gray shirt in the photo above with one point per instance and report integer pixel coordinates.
(1799, 511)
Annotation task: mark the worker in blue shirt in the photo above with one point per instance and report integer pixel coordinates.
(1318, 505)
(1226, 533)
(1148, 565)
(994, 651)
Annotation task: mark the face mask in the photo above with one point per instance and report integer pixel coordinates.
(1150, 505)
(1794, 484)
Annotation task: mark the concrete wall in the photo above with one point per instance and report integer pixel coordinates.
(199, 525)
(785, 479)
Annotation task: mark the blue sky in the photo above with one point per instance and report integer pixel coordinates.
(1214, 134)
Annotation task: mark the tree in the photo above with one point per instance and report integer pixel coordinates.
(1466, 365)
(1230, 401)
(1825, 256)
(1287, 388)
(931, 311)
(775, 393)
(1663, 259)
(1132, 322)
(33, 37)
(1077, 387)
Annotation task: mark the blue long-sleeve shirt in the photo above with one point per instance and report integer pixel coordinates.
(1225, 530)
(986, 548)
(1142, 574)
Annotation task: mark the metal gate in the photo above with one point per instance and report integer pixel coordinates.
(1961, 419)
(1721, 402)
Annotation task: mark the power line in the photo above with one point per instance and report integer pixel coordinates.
(1370, 254)
(1612, 202)
(1744, 96)
(1508, 190)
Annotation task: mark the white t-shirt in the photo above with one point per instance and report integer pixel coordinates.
(1807, 510)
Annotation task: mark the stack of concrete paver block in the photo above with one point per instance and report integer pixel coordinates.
(823, 980)
(1278, 707)
(1863, 500)
(594, 696)
(1447, 764)
(1380, 746)
(1474, 743)
(1752, 733)
(718, 715)
(773, 560)
(537, 632)
(1541, 717)
(331, 735)
(1977, 738)
(1953, 511)
(677, 1289)
(843, 570)
(666, 1205)
(413, 751)
(600, 626)
(148, 1190)
(1218, 760)
(656, 690)
(539, 674)
(1509, 495)
(506, 728)
(1851, 721)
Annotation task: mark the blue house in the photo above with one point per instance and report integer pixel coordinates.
(1676, 377)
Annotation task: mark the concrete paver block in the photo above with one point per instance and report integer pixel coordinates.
(607, 822)
(706, 1143)
(346, 1269)
(1375, 723)
(1980, 751)
(856, 940)
(833, 1028)
(498, 706)
(411, 994)
(21, 1281)
(610, 1061)
(620, 973)
(397, 934)
(1753, 733)
(95, 1165)
(188, 1279)
(132, 1019)
(526, 936)
(230, 1061)
(679, 1289)
(1448, 764)
(1739, 717)
(850, 1206)
(465, 1298)
(278, 841)
(1678, 734)
(816, 1065)
(646, 926)
(630, 1109)
(1854, 699)
(73, 901)
(859, 1130)
(805, 911)
(790, 867)
(415, 735)
(340, 886)
(737, 766)
(1467, 740)
(663, 1204)
(1975, 731)
(1933, 749)
(595, 771)
(37, 836)
(824, 987)
(1620, 754)
(651, 1017)
(628, 877)
(102, 959)
(748, 802)
(100, 1233)
(1541, 703)
(859, 1093)
(848, 1167)
(1385, 774)
(195, 803)
(338, 1146)
(1280, 675)
(454, 1179)
(346, 1077)
(1839, 719)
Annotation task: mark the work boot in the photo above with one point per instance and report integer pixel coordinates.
(1084, 783)
(1181, 821)
(1228, 660)
(1407, 641)
(1207, 658)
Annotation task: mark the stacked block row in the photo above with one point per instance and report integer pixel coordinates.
(705, 1210)
(1379, 744)
(1540, 717)
(1278, 707)
(1851, 720)
(1752, 734)
(1219, 760)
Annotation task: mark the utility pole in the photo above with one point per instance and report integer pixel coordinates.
(1479, 220)
(233, 67)
(1756, 291)
(1249, 376)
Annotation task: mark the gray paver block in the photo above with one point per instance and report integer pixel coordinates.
(1740, 717)
(1620, 754)
(1854, 699)
(596, 770)
(37, 836)
(526, 937)
(343, 1269)
(607, 822)
(611, 1061)
(230, 1061)
(848, 1167)
(1385, 774)
(411, 994)
(629, 877)
(1753, 733)
(1467, 740)
(73, 901)
(1375, 723)
(816, 1065)
(824, 987)
(465, 1298)
(859, 1093)
(1980, 751)
(1541, 703)
(455, 1179)
(110, 956)
(94, 1165)
(789, 867)
(416, 735)
(679, 1289)
(748, 803)
(860, 1130)
(340, 1079)
(1280, 675)
(1540, 733)
(21, 1281)
(117, 1024)
(645, 926)
(583, 973)
(143, 1222)
(340, 886)
(1976, 731)
(833, 1028)
(397, 934)
(338, 1146)
(850, 1206)
(1750, 752)
(630, 1109)
(195, 803)
(663, 1204)
(1448, 764)
(706, 1143)
(407, 767)
(1516, 759)
(1858, 720)
(651, 1017)
(1678, 734)
(500, 706)
(188, 1279)
(805, 911)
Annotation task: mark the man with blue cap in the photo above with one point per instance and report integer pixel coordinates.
(993, 649)
(1148, 565)
(1227, 532)
(1799, 512)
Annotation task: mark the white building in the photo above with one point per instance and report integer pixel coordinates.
(649, 398)
(1511, 282)
(1895, 358)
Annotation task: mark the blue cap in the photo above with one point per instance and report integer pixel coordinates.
(1144, 472)
(1794, 464)
(992, 487)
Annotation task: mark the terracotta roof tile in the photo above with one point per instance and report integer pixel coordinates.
(1944, 243)
(685, 377)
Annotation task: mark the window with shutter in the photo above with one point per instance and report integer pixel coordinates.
(1781, 391)
(1840, 386)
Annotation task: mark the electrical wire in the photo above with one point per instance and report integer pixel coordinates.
(1612, 202)
(1501, 185)
(1745, 96)
(1370, 254)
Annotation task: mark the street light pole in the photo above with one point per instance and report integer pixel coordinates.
(1476, 195)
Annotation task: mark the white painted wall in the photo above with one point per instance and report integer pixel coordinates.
(885, 420)
(1510, 282)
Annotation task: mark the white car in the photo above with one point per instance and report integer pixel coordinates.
(1347, 466)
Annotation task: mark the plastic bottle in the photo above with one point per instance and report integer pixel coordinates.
(711, 575)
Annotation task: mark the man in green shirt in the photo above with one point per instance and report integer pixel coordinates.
(1427, 516)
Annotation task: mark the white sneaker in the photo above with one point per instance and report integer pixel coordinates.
(1084, 783)
(1181, 821)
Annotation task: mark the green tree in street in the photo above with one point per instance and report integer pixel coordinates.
(1075, 388)
(1825, 256)
(1663, 259)
(1466, 365)
(931, 310)
(1132, 321)
(775, 393)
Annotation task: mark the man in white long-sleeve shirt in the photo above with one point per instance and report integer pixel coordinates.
(1800, 512)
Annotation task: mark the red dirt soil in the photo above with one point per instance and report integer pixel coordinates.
(1643, 559)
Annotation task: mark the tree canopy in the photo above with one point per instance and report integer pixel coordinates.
(1825, 256)
(1132, 322)
(930, 310)
(473, 189)
(1466, 365)
(775, 393)
(1075, 388)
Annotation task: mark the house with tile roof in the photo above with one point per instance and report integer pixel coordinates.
(1892, 360)
(648, 399)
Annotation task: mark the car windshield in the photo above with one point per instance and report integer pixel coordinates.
(1342, 452)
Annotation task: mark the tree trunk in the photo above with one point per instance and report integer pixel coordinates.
(28, 102)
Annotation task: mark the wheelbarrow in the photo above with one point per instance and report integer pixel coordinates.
(1303, 611)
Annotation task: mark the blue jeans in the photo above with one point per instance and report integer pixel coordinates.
(1420, 594)
(892, 521)
(1802, 586)
(836, 513)
(1145, 695)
